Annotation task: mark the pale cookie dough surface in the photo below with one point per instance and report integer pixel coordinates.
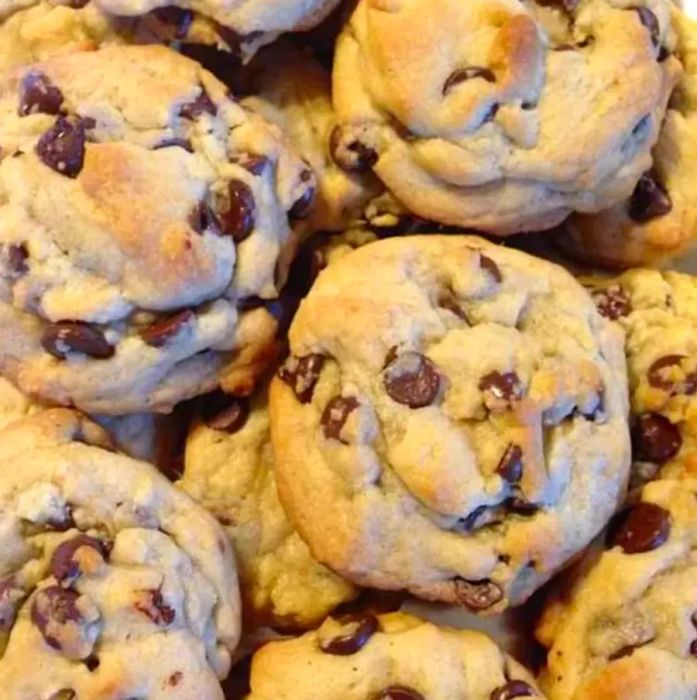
(626, 630)
(452, 419)
(131, 228)
(659, 221)
(658, 311)
(293, 90)
(229, 469)
(477, 132)
(113, 584)
(389, 656)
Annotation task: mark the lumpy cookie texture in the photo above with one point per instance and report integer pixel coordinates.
(627, 627)
(659, 221)
(133, 228)
(476, 133)
(229, 469)
(113, 584)
(391, 657)
(657, 311)
(451, 419)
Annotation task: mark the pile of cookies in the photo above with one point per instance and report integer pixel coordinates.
(310, 309)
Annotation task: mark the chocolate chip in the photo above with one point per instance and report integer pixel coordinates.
(650, 21)
(362, 627)
(663, 54)
(640, 528)
(399, 692)
(649, 200)
(449, 301)
(253, 164)
(411, 379)
(225, 413)
(513, 689)
(62, 147)
(627, 650)
(477, 595)
(37, 94)
(238, 221)
(505, 387)
(303, 205)
(491, 267)
(612, 302)
(510, 467)
(468, 73)
(335, 415)
(153, 606)
(202, 219)
(175, 679)
(201, 105)
(693, 647)
(521, 506)
(660, 379)
(62, 338)
(159, 333)
(174, 143)
(354, 156)
(301, 375)
(54, 606)
(65, 565)
(176, 17)
(655, 439)
(92, 663)
(64, 693)
(17, 256)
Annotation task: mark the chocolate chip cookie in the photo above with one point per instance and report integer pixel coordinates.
(112, 582)
(523, 113)
(229, 469)
(139, 238)
(657, 311)
(627, 627)
(451, 419)
(388, 657)
(659, 221)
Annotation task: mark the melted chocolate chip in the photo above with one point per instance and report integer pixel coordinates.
(449, 301)
(301, 375)
(253, 164)
(62, 147)
(302, 206)
(468, 73)
(17, 256)
(336, 414)
(62, 338)
(513, 689)
(468, 523)
(238, 220)
(201, 105)
(660, 379)
(491, 267)
(225, 413)
(355, 156)
(399, 692)
(640, 528)
(510, 467)
(478, 595)
(363, 627)
(54, 604)
(505, 387)
(153, 606)
(37, 94)
(655, 439)
(649, 200)
(412, 380)
(612, 302)
(203, 220)
(65, 566)
(174, 143)
(650, 21)
(521, 506)
(159, 333)
(179, 19)
(626, 651)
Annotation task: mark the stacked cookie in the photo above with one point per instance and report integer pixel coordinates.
(247, 382)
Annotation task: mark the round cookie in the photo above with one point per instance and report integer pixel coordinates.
(229, 469)
(139, 238)
(659, 221)
(658, 311)
(626, 628)
(242, 25)
(113, 584)
(477, 133)
(293, 90)
(389, 657)
(451, 421)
